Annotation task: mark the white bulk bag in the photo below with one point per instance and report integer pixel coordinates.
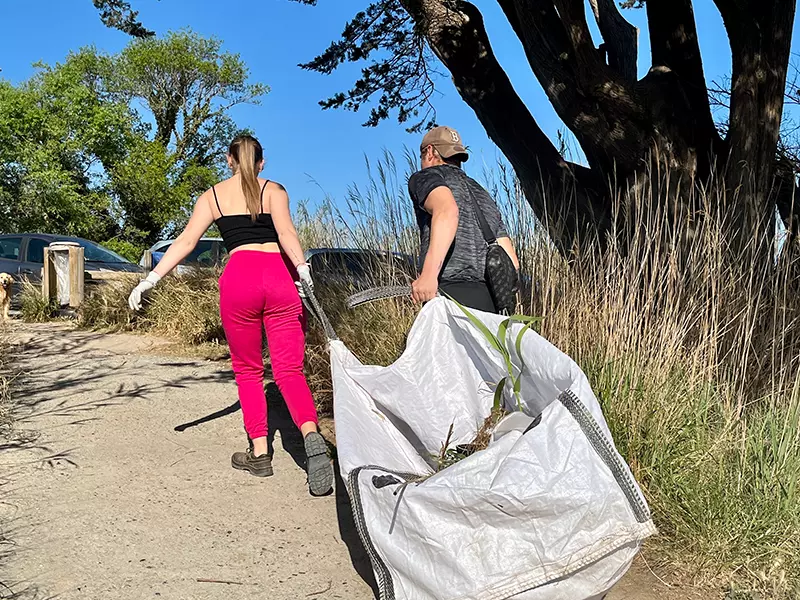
(548, 511)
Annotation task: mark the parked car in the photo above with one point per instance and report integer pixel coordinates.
(209, 252)
(22, 255)
(360, 269)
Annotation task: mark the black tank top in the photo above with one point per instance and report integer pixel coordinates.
(238, 230)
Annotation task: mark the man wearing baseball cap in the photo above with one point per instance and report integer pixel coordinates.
(453, 245)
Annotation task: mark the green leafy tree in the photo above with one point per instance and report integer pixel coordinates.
(57, 134)
(115, 147)
(187, 85)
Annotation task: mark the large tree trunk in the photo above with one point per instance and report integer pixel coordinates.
(675, 49)
(618, 121)
(760, 35)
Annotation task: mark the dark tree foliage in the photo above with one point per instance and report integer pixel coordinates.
(400, 70)
(119, 15)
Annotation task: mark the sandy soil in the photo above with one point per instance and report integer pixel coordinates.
(120, 485)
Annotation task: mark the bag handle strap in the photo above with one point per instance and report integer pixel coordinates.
(488, 234)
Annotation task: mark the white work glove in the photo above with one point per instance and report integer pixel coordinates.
(145, 285)
(304, 271)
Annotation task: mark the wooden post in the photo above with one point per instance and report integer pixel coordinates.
(148, 261)
(49, 281)
(76, 276)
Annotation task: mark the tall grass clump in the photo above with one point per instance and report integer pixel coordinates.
(691, 339)
(187, 308)
(374, 216)
(34, 307)
(184, 308)
(105, 305)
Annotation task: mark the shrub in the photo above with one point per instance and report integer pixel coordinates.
(185, 308)
(105, 305)
(34, 307)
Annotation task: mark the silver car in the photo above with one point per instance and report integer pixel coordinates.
(209, 252)
(360, 269)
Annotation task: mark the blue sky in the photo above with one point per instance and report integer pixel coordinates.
(273, 36)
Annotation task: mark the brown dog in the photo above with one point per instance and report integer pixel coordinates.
(6, 281)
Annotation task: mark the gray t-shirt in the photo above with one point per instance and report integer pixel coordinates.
(466, 260)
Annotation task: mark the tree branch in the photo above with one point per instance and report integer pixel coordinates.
(674, 46)
(119, 15)
(760, 36)
(621, 39)
(543, 36)
(400, 75)
(574, 13)
(601, 108)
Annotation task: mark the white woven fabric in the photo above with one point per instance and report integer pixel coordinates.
(541, 514)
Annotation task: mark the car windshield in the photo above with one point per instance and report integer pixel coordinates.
(96, 253)
(203, 253)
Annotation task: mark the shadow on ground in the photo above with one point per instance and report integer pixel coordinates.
(80, 363)
(280, 421)
(54, 395)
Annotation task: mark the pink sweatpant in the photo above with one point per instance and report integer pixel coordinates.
(257, 289)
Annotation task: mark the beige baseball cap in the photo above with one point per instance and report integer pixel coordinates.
(447, 142)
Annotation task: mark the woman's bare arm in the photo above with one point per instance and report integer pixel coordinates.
(282, 218)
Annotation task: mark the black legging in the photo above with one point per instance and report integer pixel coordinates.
(470, 294)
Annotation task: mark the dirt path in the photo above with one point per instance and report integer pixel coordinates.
(110, 501)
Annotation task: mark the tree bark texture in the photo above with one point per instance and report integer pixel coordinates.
(760, 35)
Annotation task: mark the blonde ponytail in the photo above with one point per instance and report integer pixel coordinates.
(247, 154)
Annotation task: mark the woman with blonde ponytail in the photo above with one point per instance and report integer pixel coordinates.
(259, 288)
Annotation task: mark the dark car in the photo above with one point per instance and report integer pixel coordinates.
(22, 255)
(360, 269)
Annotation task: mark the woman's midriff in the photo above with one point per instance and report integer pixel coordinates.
(268, 247)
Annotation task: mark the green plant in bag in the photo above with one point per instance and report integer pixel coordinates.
(499, 342)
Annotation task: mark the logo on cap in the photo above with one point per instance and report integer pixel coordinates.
(454, 135)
